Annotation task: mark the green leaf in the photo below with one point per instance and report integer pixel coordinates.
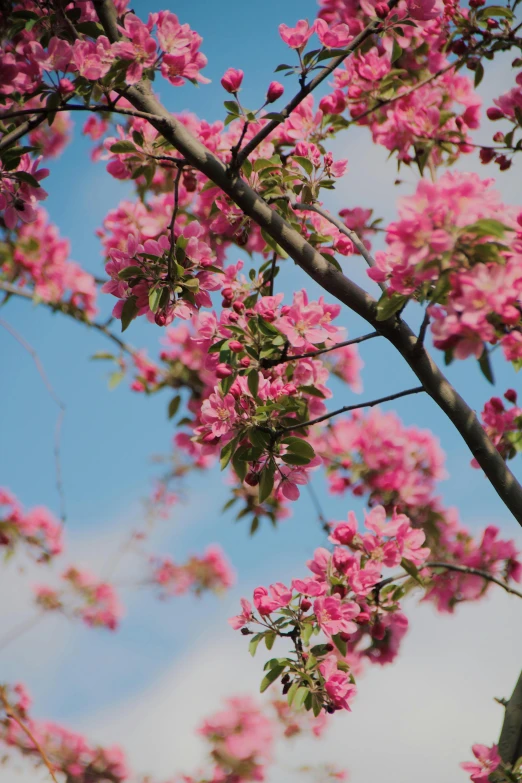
(129, 312)
(487, 227)
(340, 644)
(266, 482)
(253, 382)
(299, 446)
(115, 379)
(270, 677)
(254, 643)
(154, 298)
(24, 176)
(389, 304)
(270, 637)
(227, 452)
(411, 569)
(295, 459)
(305, 163)
(300, 697)
(102, 355)
(479, 74)
(316, 705)
(306, 632)
(291, 692)
(129, 271)
(284, 67)
(494, 10)
(123, 146)
(174, 405)
(396, 51)
(313, 390)
(485, 366)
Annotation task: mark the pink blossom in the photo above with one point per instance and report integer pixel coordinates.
(275, 90)
(240, 620)
(335, 617)
(337, 683)
(488, 760)
(296, 37)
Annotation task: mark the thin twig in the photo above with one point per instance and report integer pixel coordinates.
(474, 572)
(282, 360)
(59, 421)
(272, 274)
(11, 714)
(423, 329)
(348, 232)
(69, 310)
(327, 528)
(347, 408)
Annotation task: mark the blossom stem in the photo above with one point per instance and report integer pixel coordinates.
(347, 408)
(474, 572)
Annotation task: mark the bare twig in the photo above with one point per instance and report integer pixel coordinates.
(347, 408)
(59, 421)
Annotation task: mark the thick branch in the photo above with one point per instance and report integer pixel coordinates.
(355, 407)
(510, 742)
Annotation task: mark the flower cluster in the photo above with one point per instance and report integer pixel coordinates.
(37, 530)
(487, 762)
(211, 571)
(40, 258)
(241, 740)
(342, 602)
(503, 425)
(20, 189)
(83, 596)
(457, 246)
(163, 278)
(66, 751)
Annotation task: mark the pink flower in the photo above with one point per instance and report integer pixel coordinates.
(275, 90)
(231, 80)
(488, 760)
(93, 59)
(337, 683)
(219, 413)
(335, 617)
(334, 37)
(240, 620)
(266, 602)
(296, 37)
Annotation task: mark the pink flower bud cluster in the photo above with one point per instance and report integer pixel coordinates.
(503, 425)
(82, 596)
(35, 530)
(210, 571)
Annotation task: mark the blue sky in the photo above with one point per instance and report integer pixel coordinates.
(110, 436)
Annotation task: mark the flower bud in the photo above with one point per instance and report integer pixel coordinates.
(305, 604)
(245, 361)
(235, 346)
(494, 113)
(231, 80)
(275, 90)
(238, 306)
(382, 10)
(486, 155)
(160, 318)
(511, 396)
(223, 370)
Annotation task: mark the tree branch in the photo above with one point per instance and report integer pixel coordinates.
(348, 232)
(339, 286)
(474, 572)
(347, 408)
(510, 741)
(283, 360)
(72, 312)
(306, 89)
